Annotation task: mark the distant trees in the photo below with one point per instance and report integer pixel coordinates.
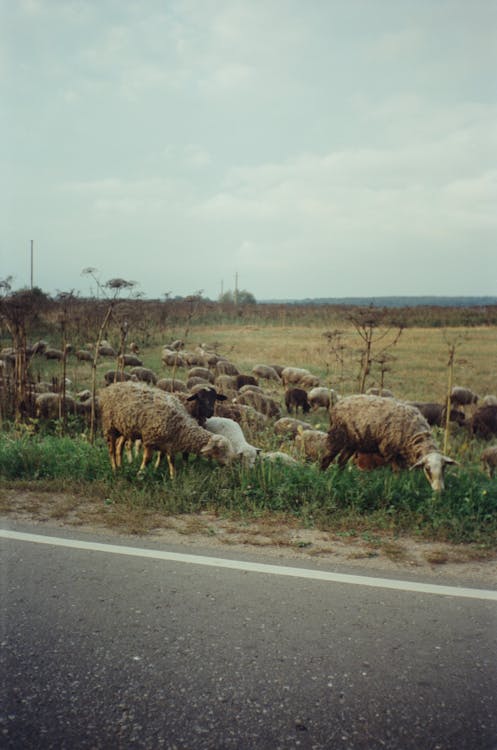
(237, 297)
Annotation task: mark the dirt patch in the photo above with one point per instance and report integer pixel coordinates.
(270, 534)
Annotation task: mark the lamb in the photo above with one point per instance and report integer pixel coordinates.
(296, 398)
(299, 376)
(266, 372)
(234, 433)
(131, 411)
(144, 375)
(484, 421)
(311, 444)
(261, 402)
(395, 430)
(489, 460)
(322, 398)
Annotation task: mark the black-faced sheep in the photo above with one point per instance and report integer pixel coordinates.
(296, 398)
(395, 430)
(484, 421)
(134, 411)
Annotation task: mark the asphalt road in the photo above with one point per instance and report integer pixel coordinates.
(104, 650)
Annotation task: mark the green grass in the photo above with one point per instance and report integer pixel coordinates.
(347, 501)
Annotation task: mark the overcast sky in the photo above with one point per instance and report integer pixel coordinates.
(326, 148)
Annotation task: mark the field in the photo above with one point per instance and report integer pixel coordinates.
(379, 507)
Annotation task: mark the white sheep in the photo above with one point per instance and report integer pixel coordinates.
(132, 411)
(290, 426)
(278, 457)
(298, 376)
(311, 444)
(234, 433)
(321, 397)
(395, 430)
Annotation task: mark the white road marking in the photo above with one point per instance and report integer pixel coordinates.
(253, 567)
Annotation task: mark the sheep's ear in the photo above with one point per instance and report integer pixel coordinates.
(417, 464)
(220, 397)
(259, 450)
(193, 397)
(448, 460)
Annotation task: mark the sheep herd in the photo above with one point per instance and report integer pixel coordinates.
(207, 407)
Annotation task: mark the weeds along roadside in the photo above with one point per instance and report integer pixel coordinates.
(347, 502)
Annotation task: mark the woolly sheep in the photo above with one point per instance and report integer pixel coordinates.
(322, 398)
(489, 460)
(311, 444)
(234, 433)
(201, 403)
(83, 355)
(172, 358)
(168, 384)
(484, 421)
(278, 457)
(296, 398)
(52, 405)
(116, 376)
(266, 372)
(242, 380)
(201, 372)
(290, 426)
(489, 400)
(105, 350)
(130, 360)
(299, 376)
(247, 416)
(193, 382)
(435, 414)
(462, 396)
(225, 382)
(254, 388)
(144, 375)
(224, 367)
(131, 411)
(261, 402)
(395, 430)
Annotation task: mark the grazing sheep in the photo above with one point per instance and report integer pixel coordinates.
(254, 388)
(278, 457)
(193, 382)
(299, 376)
(144, 375)
(131, 411)
(261, 402)
(296, 398)
(234, 433)
(168, 384)
(201, 372)
(130, 360)
(57, 353)
(105, 350)
(201, 403)
(435, 414)
(242, 380)
(224, 367)
(172, 358)
(291, 427)
(266, 372)
(312, 444)
(489, 400)
(133, 347)
(39, 347)
(83, 355)
(484, 421)
(278, 369)
(247, 416)
(226, 383)
(384, 392)
(177, 345)
(52, 405)
(322, 398)
(116, 376)
(395, 430)
(462, 396)
(489, 460)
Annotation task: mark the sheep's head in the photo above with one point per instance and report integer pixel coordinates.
(433, 465)
(203, 402)
(220, 449)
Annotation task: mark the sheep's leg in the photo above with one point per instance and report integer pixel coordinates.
(329, 457)
(147, 455)
(345, 455)
(158, 460)
(118, 449)
(111, 445)
(172, 470)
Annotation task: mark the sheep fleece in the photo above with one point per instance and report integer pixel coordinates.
(373, 424)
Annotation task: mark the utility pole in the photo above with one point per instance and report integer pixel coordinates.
(31, 265)
(235, 293)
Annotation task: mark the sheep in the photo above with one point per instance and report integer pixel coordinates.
(248, 387)
(177, 345)
(435, 414)
(225, 382)
(52, 405)
(246, 416)
(57, 353)
(462, 396)
(234, 433)
(299, 376)
(116, 376)
(278, 457)
(105, 350)
(375, 391)
(201, 372)
(368, 461)
(133, 347)
(311, 444)
(168, 384)
(144, 374)
(130, 360)
(224, 367)
(322, 398)
(242, 380)
(83, 355)
(290, 426)
(266, 372)
(296, 398)
(395, 430)
(131, 411)
(489, 400)
(172, 358)
(484, 421)
(261, 402)
(488, 459)
(193, 382)
(201, 403)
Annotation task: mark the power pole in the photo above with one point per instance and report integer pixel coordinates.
(31, 264)
(235, 293)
